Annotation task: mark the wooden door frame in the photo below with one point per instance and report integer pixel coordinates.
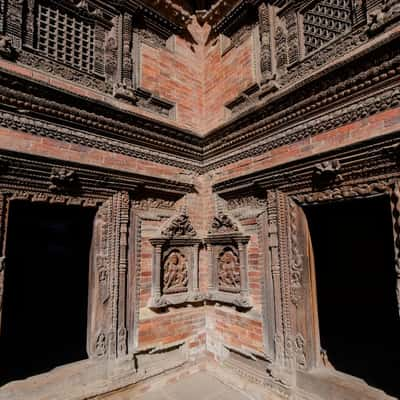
(392, 192)
(9, 197)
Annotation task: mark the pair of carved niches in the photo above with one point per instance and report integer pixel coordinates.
(227, 253)
(176, 264)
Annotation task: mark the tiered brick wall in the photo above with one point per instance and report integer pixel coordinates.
(226, 76)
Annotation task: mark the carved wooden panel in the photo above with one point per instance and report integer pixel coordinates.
(107, 335)
(296, 336)
(229, 269)
(175, 271)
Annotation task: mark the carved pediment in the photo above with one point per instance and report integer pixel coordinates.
(179, 227)
(222, 223)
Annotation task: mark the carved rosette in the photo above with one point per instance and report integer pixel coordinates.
(175, 264)
(227, 252)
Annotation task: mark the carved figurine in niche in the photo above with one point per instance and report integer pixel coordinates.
(175, 277)
(229, 270)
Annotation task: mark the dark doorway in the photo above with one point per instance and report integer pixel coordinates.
(45, 288)
(356, 289)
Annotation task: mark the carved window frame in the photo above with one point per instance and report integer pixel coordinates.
(215, 244)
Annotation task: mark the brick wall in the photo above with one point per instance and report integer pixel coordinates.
(226, 76)
(386, 122)
(198, 77)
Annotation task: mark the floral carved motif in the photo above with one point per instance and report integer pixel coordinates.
(222, 224)
(179, 227)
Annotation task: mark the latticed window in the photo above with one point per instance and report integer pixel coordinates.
(324, 22)
(65, 37)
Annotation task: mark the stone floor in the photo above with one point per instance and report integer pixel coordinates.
(201, 386)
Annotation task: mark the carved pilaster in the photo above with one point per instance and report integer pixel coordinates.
(395, 201)
(127, 50)
(14, 22)
(2, 15)
(3, 221)
(265, 17)
(156, 275)
(293, 42)
(272, 216)
(30, 23)
(244, 284)
(123, 218)
(99, 48)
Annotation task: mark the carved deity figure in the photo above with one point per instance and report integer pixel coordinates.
(229, 271)
(175, 273)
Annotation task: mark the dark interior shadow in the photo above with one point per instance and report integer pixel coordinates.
(45, 288)
(356, 289)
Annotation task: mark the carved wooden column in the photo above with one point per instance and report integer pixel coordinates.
(195, 280)
(276, 274)
(124, 204)
(395, 202)
(211, 271)
(244, 281)
(107, 334)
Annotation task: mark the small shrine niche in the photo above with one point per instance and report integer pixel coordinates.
(176, 264)
(227, 252)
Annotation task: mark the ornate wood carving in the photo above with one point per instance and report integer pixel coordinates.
(3, 223)
(62, 180)
(14, 23)
(179, 227)
(381, 17)
(395, 202)
(107, 333)
(266, 35)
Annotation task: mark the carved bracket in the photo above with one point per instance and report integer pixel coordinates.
(383, 16)
(7, 49)
(63, 180)
(327, 173)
